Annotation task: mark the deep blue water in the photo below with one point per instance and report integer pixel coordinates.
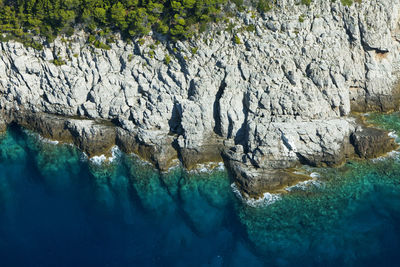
(59, 209)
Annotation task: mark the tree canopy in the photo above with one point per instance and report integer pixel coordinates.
(131, 17)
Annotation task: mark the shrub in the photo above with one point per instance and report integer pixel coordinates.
(151, 53)
(251, 28)
(101, 45)
(194, 50)
(167, 59)
(264, 6)
(347, 2)
(91, 38)
(58, 62)
(236, 39)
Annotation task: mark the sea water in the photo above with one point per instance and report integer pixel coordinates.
(58, 208)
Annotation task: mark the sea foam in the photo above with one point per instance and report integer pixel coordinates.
(208, 167)
(115, 153)
(393, 135)
(305, 185)
(266, 200)
(41, 138)
(391, 154)
(49, 141)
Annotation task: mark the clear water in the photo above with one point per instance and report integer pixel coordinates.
(59, 209)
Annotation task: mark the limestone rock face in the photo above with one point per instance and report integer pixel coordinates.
(280, 97)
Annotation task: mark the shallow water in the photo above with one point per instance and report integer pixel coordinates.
(59, 209)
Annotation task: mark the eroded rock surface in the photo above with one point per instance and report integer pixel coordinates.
(281, 97)
(371, 143)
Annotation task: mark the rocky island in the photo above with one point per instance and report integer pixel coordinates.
(262, 92)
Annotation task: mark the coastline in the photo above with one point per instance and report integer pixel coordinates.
(281, 98)
(57, 192)
(294, 178)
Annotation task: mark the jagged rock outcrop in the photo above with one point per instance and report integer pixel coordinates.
(371, 143)
(281, 97)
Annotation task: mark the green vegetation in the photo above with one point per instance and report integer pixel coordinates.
(167, 59)
(251, 28)
(350, 2)
(58, 62)
(347, 2)
(49, 18)
(230, 27)
(194, 50)
(264, 6)
(97, 43)
(236, 39)
(151, 53)
(101, 45)
(239, 4)
(24, 20)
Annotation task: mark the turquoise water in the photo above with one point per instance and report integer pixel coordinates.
(59, 209)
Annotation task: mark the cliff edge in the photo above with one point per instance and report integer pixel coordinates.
(263, 98)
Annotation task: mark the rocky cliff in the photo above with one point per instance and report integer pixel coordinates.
(267, 100)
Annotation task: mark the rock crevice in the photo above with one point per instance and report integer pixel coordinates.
(280, 97)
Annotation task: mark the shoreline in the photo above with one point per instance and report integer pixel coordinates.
(280, 98)
(303, 180)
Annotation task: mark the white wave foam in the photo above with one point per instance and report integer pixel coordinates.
(115, 153)
(174, 167)
(83, 157)
(49, 141)
(200, 168)
(393, 135)
(305, 185)
(175, 164)
(266, 200)
(98, 160)
(299, 172)
(208, 167)
(221, 166)
(391, 154)
(315, 175)
(41, 138)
